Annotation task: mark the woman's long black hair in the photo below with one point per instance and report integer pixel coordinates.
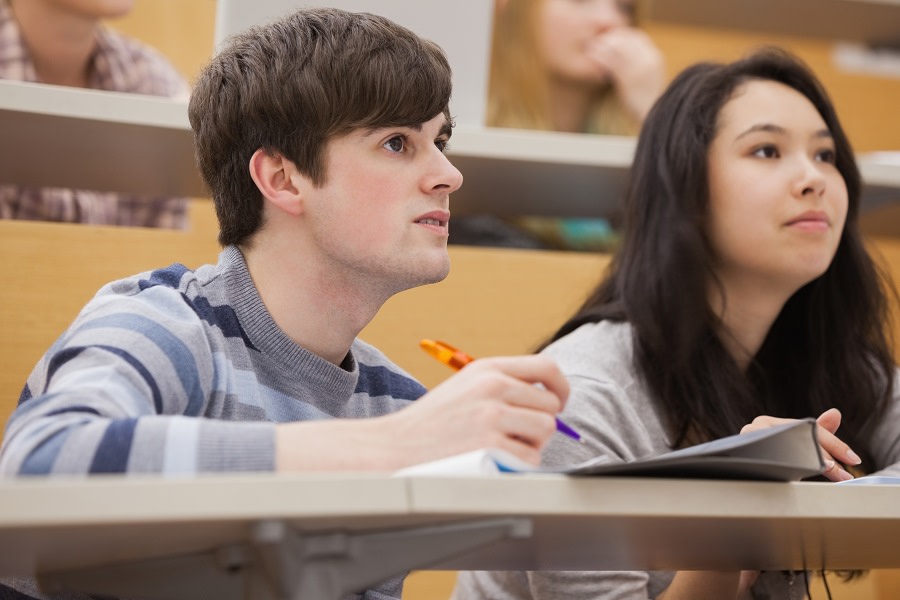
(829, 346)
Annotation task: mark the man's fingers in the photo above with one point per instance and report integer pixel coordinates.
(535, 369)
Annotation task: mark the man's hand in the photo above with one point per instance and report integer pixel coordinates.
(491, 403)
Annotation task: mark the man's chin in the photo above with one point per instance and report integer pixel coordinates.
(434, 272)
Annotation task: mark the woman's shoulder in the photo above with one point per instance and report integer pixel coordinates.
(602, 345)
(602, 334)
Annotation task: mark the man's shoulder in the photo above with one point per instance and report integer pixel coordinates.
(176, 278)
(164, 294)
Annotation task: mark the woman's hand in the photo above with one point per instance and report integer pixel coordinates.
(834, 450)
(635, 65)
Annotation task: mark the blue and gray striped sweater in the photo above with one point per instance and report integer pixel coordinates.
(120, 391)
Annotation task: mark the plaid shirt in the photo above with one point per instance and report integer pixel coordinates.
(118, 64)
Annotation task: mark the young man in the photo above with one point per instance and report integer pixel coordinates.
(321, 137)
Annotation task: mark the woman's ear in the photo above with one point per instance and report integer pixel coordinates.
(274, 175)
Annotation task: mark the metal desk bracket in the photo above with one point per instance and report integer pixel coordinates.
(281, 563)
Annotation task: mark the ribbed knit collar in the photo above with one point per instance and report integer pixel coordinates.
(269, 339)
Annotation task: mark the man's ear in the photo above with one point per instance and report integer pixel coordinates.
(274, 175)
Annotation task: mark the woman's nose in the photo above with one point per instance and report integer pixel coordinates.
(606, 14)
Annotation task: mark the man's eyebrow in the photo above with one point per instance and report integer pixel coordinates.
(446, 128)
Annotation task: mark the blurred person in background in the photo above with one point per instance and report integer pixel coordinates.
(578, 66)
(64, 42)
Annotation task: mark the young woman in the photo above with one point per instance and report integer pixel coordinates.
(572, 65)
(741, 296)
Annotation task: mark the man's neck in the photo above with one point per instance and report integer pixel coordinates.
(312, 305)
(59, 42)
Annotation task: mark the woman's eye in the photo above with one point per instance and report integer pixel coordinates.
(395, 144)
(826, 156)
(766, 152)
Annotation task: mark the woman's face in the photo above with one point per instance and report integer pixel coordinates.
(567, 28)
(777, 203)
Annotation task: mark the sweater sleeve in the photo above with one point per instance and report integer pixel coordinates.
(125, 390)
(886, 437)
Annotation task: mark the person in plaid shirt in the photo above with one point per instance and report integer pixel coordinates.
(63, 42)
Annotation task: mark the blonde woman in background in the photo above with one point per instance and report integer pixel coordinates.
(578, 66)
(572, 65)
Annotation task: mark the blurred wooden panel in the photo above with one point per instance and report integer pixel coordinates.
(867, 104)
(50, 270)
(495, 301)
(429, 585)
(180, 29)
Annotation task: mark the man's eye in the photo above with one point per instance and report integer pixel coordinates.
(442, 145)
(395, 144)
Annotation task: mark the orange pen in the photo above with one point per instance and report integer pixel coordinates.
(447, 354)
(456, 359)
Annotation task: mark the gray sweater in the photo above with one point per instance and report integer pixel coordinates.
(611, 407)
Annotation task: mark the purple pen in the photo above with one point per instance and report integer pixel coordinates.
(563, 428)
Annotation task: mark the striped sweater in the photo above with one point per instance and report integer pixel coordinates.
(179, 372)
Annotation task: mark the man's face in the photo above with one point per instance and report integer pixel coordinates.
(381, 216)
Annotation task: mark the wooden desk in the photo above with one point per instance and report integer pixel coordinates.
(254, 532)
